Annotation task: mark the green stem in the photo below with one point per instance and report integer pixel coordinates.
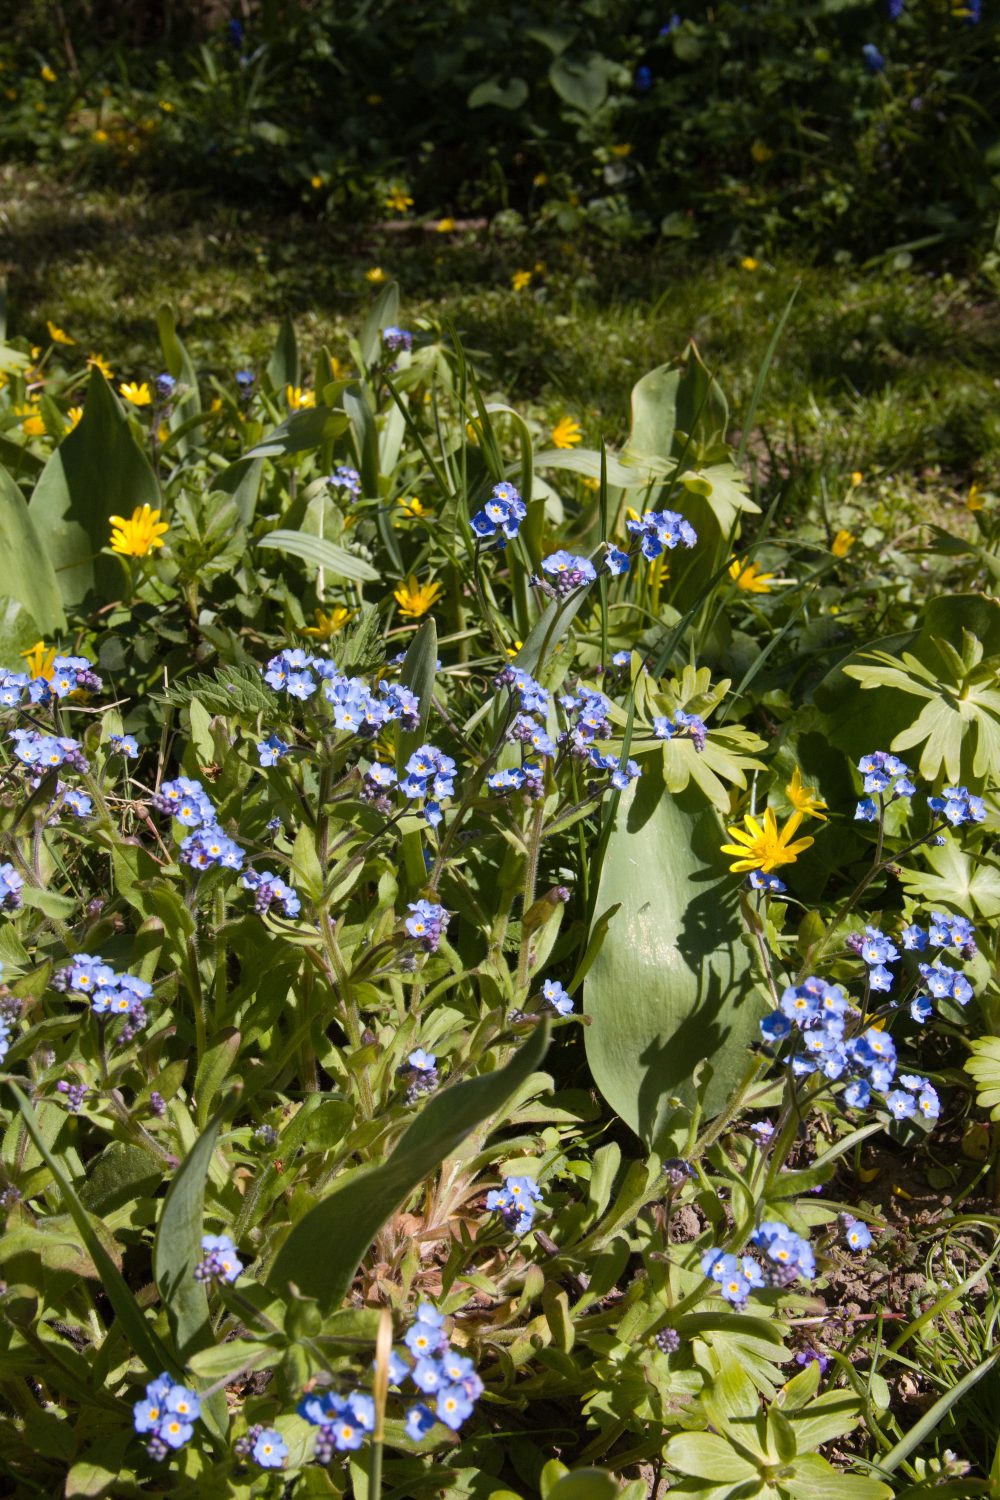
(530, 877)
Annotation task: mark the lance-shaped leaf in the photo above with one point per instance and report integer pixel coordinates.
(97, 471)
(326, 1246)
(323, 554)
(26, 572)
(671, 985)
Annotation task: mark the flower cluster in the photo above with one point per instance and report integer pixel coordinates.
(887, 777)
(556, 999)
(876, 950)
(189, 804)
(46, 751)
(110, 994)
(221, 1262)
(565, 571)
(658, 530)
(166, 1415)
(56, 677)
(426, 922)
(501, 515)
(269, 889)
(347, 481)
(784, 1257)
(682, 727)
(958, 806)
(515, 1202)
(432, 1366)
(395, 338)
(264, 1445)
(356, 709)
(818, 1013)
(11, 885)
(420, 1074)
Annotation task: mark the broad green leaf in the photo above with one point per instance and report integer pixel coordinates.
(510, 95)
(417, 673)
(582, 85)
(959, 879)
(300, 433)
(815, 1479)
(705, 1455)
(326, 1246)
(181, 366)
(322, 554)
(587, 461)
(242, 482)
(984, 1066)
(96, 472)
(283, 366)
(213, 1070)
(177, 1251)
(26, 572)
(671, 986)
(825, 1417)
(585, 1484)
(384, 313)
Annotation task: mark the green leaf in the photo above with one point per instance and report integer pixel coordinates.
(300, 432)
(308, 870)
(283, 366)
(230, 690)
(815, 1479)
(213, 1070)
(418, 672)
(959, 879)
(326, 1246)
(510, 95)
(181, 366)
(26, 571)
(141, 1336)
(97, 471)
(177, 1251)
(322, 554)
(705, 1455)
(671, 986)
(585, 1484)
(384, 313)
(582, 85)
(984, 1066)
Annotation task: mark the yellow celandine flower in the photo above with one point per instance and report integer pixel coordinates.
(98, 362)
(298, 399)
(137, 392)
(316, 181)
(48, 76)
(412, 507)
(73, 417)
(750, 578)
(804, 798)
(399, 201)
(376, 276)
(57, 335)
(166, 106)
(567, 432)
(540, 179)
(101, 137)
(513, 650)
(760, 152)
(749, 264)
(32, 424)
(857, 478)
(623, 150)
(842, 543)
(765, 847)
(415, 599)
(339, 368)
(39, 660)
(445, 226)
(328, 623)
(975, 500)
(138, 535)
(520, 280)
